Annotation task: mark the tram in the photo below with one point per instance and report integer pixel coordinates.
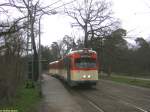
(77, 67)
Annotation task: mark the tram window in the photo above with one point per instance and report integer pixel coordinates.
(85, 63)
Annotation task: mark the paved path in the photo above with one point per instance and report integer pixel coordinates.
(56, 97)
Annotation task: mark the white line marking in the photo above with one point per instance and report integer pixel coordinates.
(95, 106)
(139, 108)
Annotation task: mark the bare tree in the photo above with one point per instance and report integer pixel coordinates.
(12, 45)
(13, 41)
(93, 16)
(55, 48)
(32, 10)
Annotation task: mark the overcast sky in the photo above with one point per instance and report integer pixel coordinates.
(134, 16)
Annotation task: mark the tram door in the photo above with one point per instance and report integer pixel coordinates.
(68, 68)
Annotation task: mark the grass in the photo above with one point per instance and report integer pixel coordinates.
(139, 75)
(27, 100)
(127, 80)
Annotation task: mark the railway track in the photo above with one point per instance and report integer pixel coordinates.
(103, 102)
(124, 102)
(92, 103)
(83, 99)
(138, 101)
(105, 97)
(88, 100)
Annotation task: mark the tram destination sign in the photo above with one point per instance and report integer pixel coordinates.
(85, 56)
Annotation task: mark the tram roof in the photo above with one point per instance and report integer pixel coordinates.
(81, 51)
(53, 62)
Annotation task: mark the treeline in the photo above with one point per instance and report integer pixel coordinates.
(115, 53)
(121, 57)
(18, 47)
(12, 46)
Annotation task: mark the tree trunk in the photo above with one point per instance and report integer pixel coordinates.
(86, 37)
(35, 55)
(109, 70)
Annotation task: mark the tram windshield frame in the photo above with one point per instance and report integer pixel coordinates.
(85, 62)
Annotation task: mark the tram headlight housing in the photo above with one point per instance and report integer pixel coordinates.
(89, 76)
(84, 76)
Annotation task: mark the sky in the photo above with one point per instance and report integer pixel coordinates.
(134, 16)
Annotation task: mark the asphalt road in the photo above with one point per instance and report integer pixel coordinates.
(106, 96)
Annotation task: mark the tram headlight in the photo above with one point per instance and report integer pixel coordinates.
(84, 76)
(89, 76)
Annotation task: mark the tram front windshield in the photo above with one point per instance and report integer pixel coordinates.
(85, 63)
